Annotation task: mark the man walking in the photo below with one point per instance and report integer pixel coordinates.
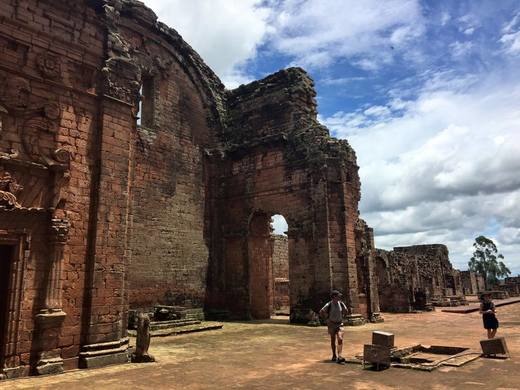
(334, 310)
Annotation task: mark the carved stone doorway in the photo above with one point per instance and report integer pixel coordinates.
(6, 260)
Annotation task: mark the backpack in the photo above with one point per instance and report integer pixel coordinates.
(342, 304)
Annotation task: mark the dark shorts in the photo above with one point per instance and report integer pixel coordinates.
(334, 327)
(490, 321)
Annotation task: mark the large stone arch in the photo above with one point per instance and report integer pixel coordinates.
(275, 157)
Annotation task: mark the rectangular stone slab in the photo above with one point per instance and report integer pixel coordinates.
(495, 346)
(383, 338)
(376, 354)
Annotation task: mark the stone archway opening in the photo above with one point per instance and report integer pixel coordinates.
(280, 261)
(268, 251)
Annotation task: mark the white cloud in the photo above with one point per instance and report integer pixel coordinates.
(468, 24)
(511, 36)
(377, 111)
(318, 32)
(313, 33)
(513, 24)
(341, 80)
(511, 42)
(442, 168)
(461, 49)
(225, 33)
(445, 18)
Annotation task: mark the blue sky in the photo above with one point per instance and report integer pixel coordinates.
(427, 93)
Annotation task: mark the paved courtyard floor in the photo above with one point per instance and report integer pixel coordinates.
(275, 355)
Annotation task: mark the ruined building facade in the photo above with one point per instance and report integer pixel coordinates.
(129, 176)
(412, 277)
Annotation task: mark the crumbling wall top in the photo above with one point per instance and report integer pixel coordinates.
(422, 248)
(116, 10)
(281, 110)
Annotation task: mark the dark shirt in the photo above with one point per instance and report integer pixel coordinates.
(488, 306)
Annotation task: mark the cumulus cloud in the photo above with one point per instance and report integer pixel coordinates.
(369, 33)
(442, 167)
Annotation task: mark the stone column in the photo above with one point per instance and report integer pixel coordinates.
(59, 234)
(51, 316)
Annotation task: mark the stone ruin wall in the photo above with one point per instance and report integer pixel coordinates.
(169, 243)
(50, 57)
(104, 215)
(472, 284)
(410, 277)
(281, 271)
(97, 207)
(511, 285)
(280, 160)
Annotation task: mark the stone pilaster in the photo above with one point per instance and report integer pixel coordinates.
(51, 316)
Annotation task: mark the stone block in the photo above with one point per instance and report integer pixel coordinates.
(354, 320)
(495, 346)
(104, 360)
(16, 372)
(49, 366)
(383, 338)
(376, 354)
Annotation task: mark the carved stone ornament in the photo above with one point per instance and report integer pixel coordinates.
(39, 137)
(60, 229)
(52, 110)
(8, 190)
(62, 156)
(14, 92)
(38, 132)
(48, 65)
(122, 79)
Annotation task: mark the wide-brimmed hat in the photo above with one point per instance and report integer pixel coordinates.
(335, 293)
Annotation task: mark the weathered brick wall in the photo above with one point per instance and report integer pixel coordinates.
(105, 214)
(280, 256)
(423, 272)
(469, 282)
(168, 243)
(50, 53)
(280, 160)
(281, 271)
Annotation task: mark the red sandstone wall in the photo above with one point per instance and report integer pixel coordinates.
(281, 272)
(49, 53)
(280, 160)
(169, 250)
(280, 256)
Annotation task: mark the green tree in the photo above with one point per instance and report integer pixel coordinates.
(485, 261)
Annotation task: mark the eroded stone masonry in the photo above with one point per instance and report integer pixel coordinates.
(421, 276)
(129, 177)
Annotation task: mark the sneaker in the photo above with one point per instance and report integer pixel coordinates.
(334, 358)
(341, 359)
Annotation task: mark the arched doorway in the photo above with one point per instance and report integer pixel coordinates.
(280, 259)
(268, 264)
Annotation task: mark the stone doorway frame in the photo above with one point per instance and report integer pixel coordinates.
(20, 241)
